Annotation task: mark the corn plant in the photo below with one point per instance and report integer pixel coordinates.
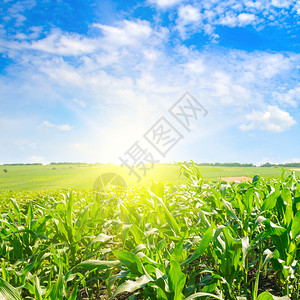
(198, 240)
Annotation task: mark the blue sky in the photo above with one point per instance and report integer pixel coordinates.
(84, 80)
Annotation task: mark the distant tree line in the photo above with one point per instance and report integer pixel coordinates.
(234, 164)
(287, 165)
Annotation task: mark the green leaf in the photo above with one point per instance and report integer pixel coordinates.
(57, 291)
(170, 219)
(158, 189)
(8, 292)
(15, 205)
(135, 231)
(176, 280)
(29, 215)
(196, 295)
(296, 225)
(255, 179)
(70, 202)
(287, 198)
(206, 240)
(267, 255)
(218, 231)
(4, 271)
(245, 247)
(130, 260)
(177, 252)
(270, 201)
(274, 229)
(248, 200)
(98, 264)
(38, 292)
(131, 286)
(73, 295)
(255, 287)
(100, 238)
(268, 296)
(229, 240)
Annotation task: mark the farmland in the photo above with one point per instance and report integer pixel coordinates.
(83, 176)
(194, 238)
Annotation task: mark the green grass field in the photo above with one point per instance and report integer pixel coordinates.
(188, 241)
(49, 177)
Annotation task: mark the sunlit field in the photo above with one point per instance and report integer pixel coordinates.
(190, 238)
(83, 176)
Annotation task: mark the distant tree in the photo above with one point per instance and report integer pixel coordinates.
(234, 164)
(293, 165)
(286, 165)
(5, 171)
(267, 165)
(69, 163)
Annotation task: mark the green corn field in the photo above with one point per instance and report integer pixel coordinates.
(197, 240)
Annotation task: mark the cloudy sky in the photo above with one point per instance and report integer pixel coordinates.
(85, 80)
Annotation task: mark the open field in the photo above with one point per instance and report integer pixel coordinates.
(49, 177)
(192, 241)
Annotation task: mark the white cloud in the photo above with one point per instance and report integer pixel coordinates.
(246, 19)
(282, 3)
(232, 20)
(227, 90)
(64, 44)
(57, 43)
(196, 66)
(64, 127)
(188, 19)
(128, 33)
(123, 75)
(296, 8)
(272, 119)
(35, 33)
(290, 97)
(124, 34)
(16, 10)
(265, 65)
(189, 14)
(165, 3)
(235, 13)
(58, 70)
(127, 81)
